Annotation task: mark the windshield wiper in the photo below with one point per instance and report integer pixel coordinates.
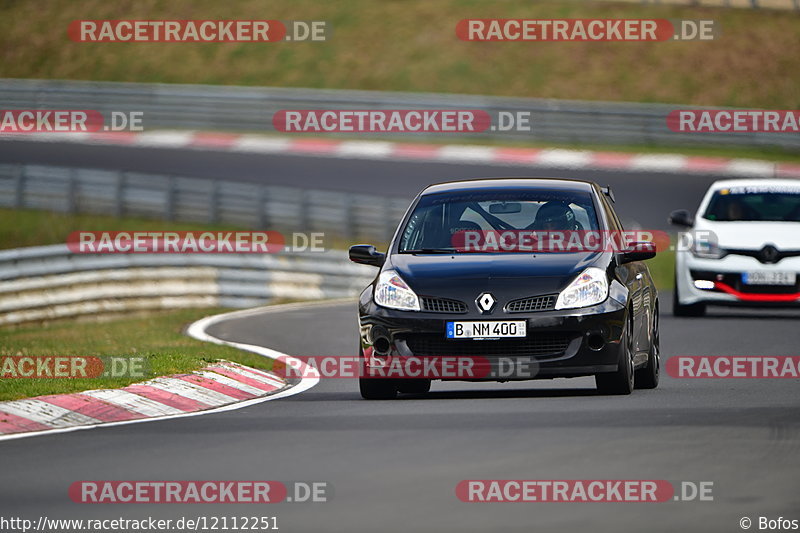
(430, 251)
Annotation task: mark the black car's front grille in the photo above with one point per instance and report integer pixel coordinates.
(442, 305)
(534, 303)
(536, 345)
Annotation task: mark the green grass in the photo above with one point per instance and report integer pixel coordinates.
(158, 337)
(410, 45)
(31, 227)
(662, 268)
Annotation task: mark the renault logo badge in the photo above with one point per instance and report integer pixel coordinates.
(486, 302)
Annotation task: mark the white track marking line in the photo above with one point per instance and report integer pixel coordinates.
(564, 158)
(465, 152)
(658, 162)
(260, 144)
(164, 138)
(750, 167)
(365, 149)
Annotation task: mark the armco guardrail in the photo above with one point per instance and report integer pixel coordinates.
(47, 282)
(251, 109)
(114, 192)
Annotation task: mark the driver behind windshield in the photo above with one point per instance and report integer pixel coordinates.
(555, 216)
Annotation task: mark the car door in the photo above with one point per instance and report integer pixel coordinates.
(633, 276)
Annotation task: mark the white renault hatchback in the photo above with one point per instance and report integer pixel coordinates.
(743, 248)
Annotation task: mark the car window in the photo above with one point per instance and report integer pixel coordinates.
(436, 218)
(754, 203)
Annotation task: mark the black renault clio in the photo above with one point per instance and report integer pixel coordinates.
(482, 269)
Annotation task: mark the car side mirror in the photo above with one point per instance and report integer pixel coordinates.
(366, 254)
(639, 251)
(681, 217)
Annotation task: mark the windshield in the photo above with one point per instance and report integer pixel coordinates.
(755, 203)
(438, 217)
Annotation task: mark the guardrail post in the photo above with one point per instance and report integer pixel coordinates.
(19, 187)
(263, 215)
(348, 229)
(387, 220)
(119, 194)
(170, 204)
(72, 191)
(213, 208)
(305, 210)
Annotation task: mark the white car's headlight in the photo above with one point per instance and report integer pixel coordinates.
(589, 288)
(706, 249)
(391, 291)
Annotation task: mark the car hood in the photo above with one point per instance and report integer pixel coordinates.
(464, 276)
(753, 235)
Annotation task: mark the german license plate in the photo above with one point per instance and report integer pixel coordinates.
(769, 277)
(486, 329)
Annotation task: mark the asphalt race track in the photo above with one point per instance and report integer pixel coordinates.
(394, 465)
(643, 197)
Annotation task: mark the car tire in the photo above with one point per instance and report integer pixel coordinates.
(375, 388)
(414, 386)
(679, 309)
(647, 377)
(622, 381)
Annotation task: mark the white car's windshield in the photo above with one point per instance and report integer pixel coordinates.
(755, 203)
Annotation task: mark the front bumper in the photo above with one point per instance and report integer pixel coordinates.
(726, 276)
(567, 343)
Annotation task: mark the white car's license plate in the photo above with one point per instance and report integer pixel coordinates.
(486, 329)
(769, 277)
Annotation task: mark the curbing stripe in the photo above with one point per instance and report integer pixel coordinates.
(92, 407)
(133, 402)
(11, 423)
(155, 391)
(226, 380)
(248, 373)
(242, 379)
(218, 386)
(192, 391)
(447, 153)
(47, 414)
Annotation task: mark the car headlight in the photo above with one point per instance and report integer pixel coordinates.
(391, 291)
(589, 288)
(706, 249)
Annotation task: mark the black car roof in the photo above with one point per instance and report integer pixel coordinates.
(510, 183)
